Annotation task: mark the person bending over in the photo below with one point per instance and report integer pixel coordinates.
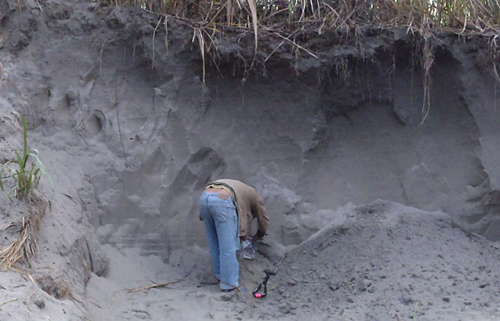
(227, 206)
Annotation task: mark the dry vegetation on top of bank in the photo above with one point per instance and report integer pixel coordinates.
(261, 30)
(439, 15)
(311, 28)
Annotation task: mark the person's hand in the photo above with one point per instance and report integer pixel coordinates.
(256, 238)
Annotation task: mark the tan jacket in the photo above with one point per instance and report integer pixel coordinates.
(249, 205)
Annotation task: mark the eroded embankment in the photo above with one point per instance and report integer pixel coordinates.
(347, 129)
(130, 133)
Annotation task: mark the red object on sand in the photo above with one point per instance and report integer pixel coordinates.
(258, 295)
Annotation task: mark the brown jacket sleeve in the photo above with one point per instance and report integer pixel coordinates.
(261, 215)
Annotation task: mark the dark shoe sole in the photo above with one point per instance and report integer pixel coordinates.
(240, 288)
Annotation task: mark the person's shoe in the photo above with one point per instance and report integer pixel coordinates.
(240, 288)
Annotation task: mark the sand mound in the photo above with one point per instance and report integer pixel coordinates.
(390, 262)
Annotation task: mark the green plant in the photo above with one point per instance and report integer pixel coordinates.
(28, 171)
(1, 177)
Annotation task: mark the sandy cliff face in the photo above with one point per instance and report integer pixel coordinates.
(131, 133)
(351, 135)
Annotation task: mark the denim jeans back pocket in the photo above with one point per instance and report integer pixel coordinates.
(224, 211)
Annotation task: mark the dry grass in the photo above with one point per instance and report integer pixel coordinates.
(8, 301)
(297, 24)
(456, 15)
(153, 286)
(148, 287)
(302, 27)
(25, 245)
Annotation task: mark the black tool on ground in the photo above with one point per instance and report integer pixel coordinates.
(257, 293)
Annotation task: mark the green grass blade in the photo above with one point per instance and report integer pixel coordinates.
(1, 177)
(42, 167)
(25, 139)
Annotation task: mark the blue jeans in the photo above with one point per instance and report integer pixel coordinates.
(221, 226)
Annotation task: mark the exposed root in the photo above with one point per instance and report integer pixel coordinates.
(427, 61)
(152, 286)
